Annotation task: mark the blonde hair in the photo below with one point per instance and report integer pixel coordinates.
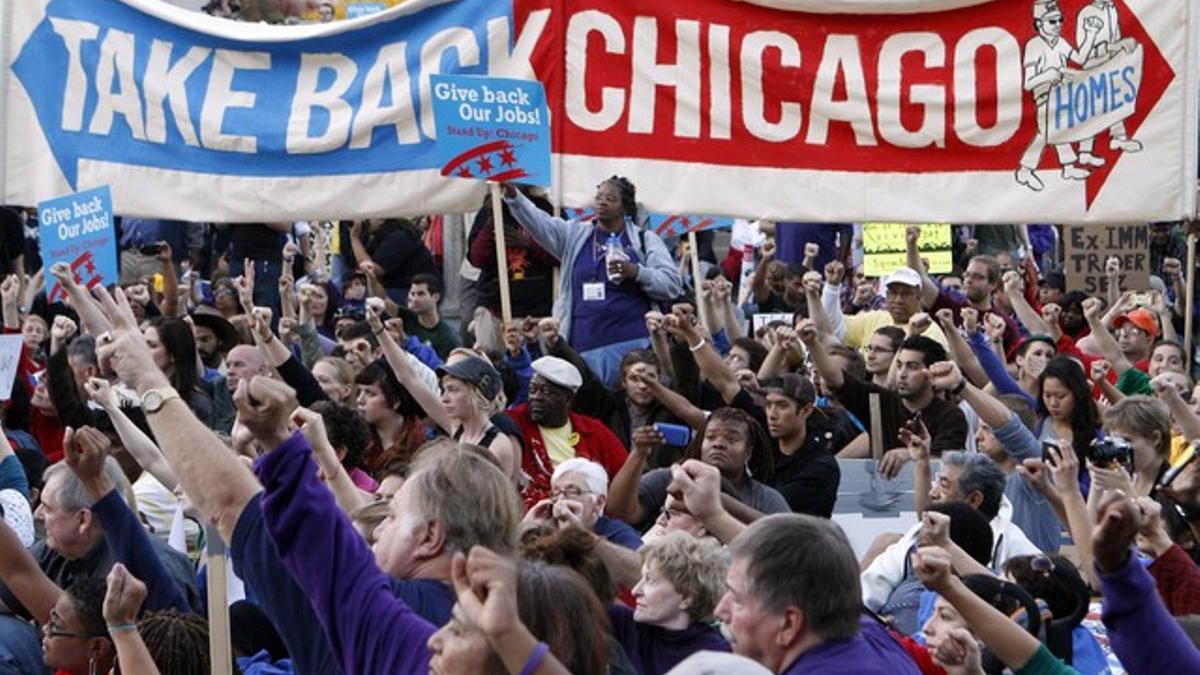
(367, 518)
(1143, 416)
(345, 374)
(695, 567)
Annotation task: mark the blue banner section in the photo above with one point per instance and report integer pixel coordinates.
(78, 230)
(492, 129)
(108, 81)
(675, 226)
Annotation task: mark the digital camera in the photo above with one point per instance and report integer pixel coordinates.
(1113, 450)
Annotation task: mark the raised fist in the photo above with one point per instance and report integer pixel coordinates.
(835, 272)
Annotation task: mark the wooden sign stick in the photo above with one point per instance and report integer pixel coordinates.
(876, 429)
(220, 653)
(501, 254)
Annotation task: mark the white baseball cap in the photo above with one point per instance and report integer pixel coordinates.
(905, 276)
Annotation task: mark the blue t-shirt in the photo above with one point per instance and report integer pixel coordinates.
(618, 532)
(431, 599)
(619, 317)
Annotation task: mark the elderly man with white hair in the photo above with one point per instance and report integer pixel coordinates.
(578, 495)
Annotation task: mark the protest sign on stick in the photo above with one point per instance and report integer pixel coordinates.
(1191, 298)
(78, 229)
(496, 130)
(501, 254)
(10, 359)
(876, 429)
(885, 250)
(1088, 247)
(697, 281)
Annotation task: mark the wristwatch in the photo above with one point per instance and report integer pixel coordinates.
(154, 399)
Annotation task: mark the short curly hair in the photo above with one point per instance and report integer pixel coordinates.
(695, 567)
(347, 430)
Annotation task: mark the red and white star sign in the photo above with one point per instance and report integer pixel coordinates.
(495, 161)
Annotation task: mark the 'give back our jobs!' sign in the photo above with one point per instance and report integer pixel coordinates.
(78, 229)
(492, 129)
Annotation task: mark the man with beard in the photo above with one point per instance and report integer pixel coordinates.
(552, 434)
(981, 285)
(911, 396)
(215, 336)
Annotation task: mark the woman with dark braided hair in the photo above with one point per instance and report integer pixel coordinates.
(167, 642)
(602, 302)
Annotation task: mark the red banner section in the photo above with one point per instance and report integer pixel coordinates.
(735, 84)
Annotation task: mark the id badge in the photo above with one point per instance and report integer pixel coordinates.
(593, 291)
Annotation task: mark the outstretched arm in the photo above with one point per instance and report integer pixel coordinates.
(397, 358)
(122, 605)
(135, 441)
(963, 355)
(712, 367)
(347, 494)
(623, 499)
(217, 483)
(90, 312)
(758, 283)
(10, 291)
(87, 451)
(929, 290)
(1109, 349)
(1007, 640)
(1026, 314)
(1181, 412)
(829, 370)
(24, 578)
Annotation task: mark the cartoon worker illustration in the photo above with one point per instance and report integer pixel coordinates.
(1109, 43)
(1046, 57)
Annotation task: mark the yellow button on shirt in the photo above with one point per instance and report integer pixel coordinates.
(560, 442)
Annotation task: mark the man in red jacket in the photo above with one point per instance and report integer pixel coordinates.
(553, 434)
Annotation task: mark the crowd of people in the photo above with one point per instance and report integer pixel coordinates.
(632, 476)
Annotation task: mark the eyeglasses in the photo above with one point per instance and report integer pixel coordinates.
(570, 492)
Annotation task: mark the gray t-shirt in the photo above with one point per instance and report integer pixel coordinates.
(652, 494)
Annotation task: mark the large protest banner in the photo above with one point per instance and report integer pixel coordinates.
(1088, 248)
(838, 110)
